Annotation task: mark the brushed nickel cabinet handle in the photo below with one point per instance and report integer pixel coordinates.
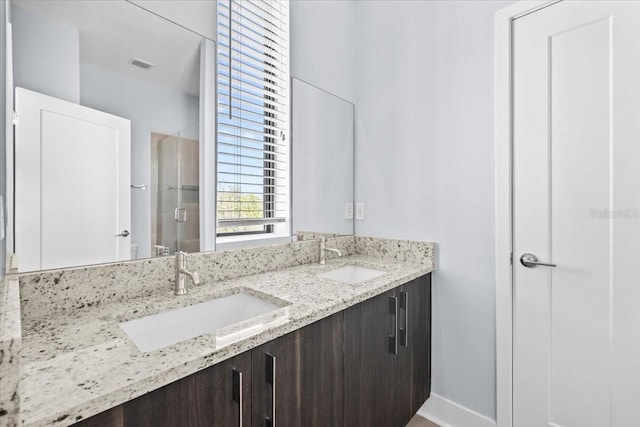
(237, 393)
(404, 329)
(271, 379)
(393, 338)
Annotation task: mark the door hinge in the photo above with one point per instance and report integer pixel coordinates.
(14, 119)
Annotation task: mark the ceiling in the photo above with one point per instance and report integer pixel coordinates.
(113, 32)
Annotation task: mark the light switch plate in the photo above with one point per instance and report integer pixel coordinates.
(348, 211)
(360, 210)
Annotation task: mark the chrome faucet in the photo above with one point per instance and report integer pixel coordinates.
(180, 287)
(324, 249)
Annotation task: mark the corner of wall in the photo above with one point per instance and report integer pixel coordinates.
(3, 142)
(446, 413)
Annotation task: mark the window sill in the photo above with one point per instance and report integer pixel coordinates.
(250, 241)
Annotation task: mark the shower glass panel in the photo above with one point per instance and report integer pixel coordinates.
(175, 185)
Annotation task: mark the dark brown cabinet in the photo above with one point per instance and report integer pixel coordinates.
(208, 397)
(369, 366)
(387, 356)
(413, 373)
(297, 379)
(301, 373)
(366, 366)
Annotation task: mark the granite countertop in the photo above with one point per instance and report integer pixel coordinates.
(75, 365)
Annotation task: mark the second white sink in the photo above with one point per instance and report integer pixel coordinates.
(352, 274)
(228, 319)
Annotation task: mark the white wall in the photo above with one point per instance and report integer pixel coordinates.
(322, 55)
(323, 45)
(3, 133)
(195, 15)
(151, 108)
(425, 167)
(51, 68)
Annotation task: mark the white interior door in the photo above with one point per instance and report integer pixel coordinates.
(72, 186)
(577, 204)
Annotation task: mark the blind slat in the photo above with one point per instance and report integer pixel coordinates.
(224, 108)
(249, 21)
(254, 10)
(264, 86)
(253, 51)
(246, 66)
(247, 192)
(249, 36)
(246, 222)
(223, 89)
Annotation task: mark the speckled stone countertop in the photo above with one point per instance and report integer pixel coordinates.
(77, 363)
(10, 345)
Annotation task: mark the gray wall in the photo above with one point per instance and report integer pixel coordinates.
(325, 59)
(52, 68)
(323, 45)
(192, 14)
(3, 142)
(425, 167)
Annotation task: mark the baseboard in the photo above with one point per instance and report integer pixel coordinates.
(449, 414)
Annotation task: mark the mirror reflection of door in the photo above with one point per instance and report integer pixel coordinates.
(175, 206)
(72, 184)
(121, 60)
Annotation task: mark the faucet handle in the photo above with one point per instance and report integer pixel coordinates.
(196, 278)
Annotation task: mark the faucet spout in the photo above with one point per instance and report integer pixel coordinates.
(335, 251)
(195, 277)
(324, 250)
(180, 287)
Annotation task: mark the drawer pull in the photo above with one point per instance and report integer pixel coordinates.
(271, 379)
(237, 393)
(393, 338)
(404, 328)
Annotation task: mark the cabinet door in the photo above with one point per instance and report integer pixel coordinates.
(298, 378)
(210, 397)
(369, 363)
(205, 398)
(413, 374)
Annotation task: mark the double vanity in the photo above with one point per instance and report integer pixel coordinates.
(269, 337)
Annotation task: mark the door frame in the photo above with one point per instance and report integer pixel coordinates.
(504, 201)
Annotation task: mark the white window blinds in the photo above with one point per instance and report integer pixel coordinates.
(253, 116)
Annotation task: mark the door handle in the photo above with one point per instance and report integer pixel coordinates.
(271, 379)
(124, 233)
(180, 215)
(393, 338)
(530, 261)
(403, 331)
(237, 393)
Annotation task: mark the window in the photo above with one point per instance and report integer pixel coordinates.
(253, 117)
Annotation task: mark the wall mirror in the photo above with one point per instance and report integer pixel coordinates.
(115, 147)
(323, 155)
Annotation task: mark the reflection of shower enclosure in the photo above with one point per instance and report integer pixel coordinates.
(175, 209)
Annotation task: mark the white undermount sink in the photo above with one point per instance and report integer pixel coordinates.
(352, 274)
(228, 319)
